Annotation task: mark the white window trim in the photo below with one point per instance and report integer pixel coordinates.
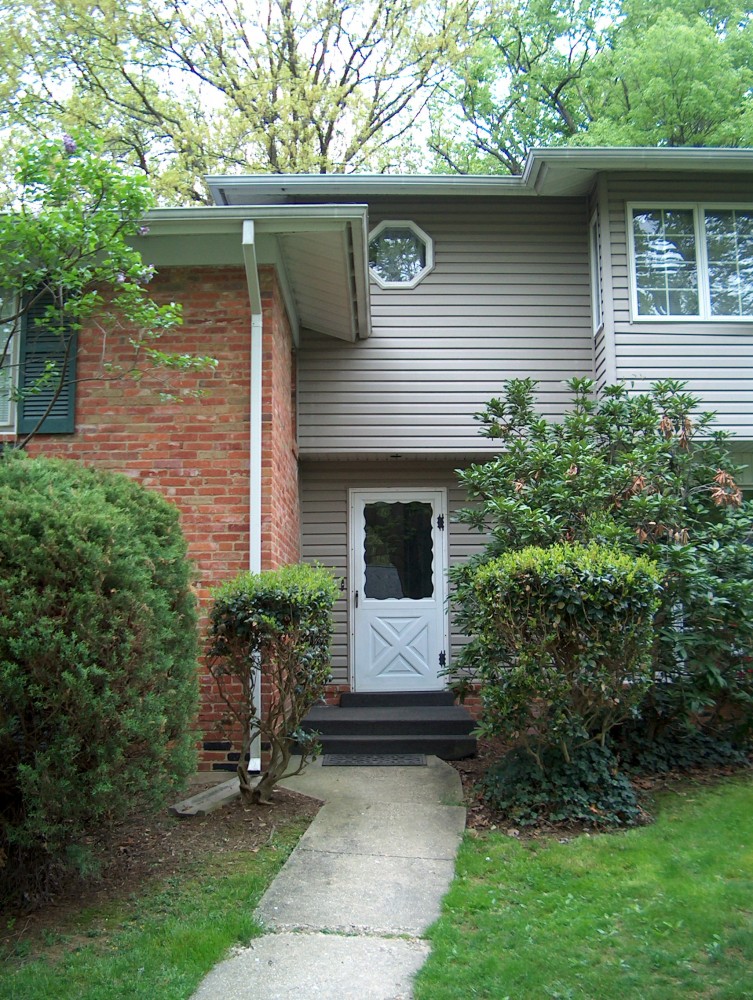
(597, 296)
(8, 427)
(698, 208)
(423, 236)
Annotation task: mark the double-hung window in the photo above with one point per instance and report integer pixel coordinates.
(691, 262)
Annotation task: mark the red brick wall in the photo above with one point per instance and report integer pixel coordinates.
(196, 452)
(281, 520)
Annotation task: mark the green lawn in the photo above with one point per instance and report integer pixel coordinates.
(160, 946)
(661, 912)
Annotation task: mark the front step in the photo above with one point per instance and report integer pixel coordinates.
(432, 720)
(386, 699)
(446, 747)
(399, 722)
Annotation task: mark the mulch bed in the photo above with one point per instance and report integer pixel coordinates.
(151, 848)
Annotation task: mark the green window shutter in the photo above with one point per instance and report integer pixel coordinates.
(38, 346)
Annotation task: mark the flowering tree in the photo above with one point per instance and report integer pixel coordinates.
(67, 263)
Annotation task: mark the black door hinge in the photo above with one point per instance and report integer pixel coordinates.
(440, 522)
(442, 659)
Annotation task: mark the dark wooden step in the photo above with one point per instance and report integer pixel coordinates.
(405, 722)
(385, 699)
(446, 747)
(390, 721)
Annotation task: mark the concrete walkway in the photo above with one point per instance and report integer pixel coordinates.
(347, 912)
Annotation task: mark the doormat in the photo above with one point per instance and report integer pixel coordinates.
(374, 760)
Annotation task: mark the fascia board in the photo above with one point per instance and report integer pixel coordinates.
(267, 218)
(599, 158)
(264, 187)
(590, 160)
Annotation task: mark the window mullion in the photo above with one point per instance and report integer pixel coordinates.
(702, 258)
(736, 235)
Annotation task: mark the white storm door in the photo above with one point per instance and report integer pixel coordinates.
(398, 589)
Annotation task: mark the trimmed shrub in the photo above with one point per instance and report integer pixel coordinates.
(279, 621)
(564, 638)
(648, 473)
(98, 663)
(588, 788)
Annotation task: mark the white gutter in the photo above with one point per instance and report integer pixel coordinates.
(267, 188)
(541, 172)
(645, 157)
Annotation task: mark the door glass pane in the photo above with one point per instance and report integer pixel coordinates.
(398, 550)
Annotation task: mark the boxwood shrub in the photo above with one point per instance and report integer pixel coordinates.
(279, 621)
(98, 663)
(564, 638)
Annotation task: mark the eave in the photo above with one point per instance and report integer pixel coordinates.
(320, 253)
(565, 171)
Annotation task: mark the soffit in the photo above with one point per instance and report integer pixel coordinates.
(320, 253)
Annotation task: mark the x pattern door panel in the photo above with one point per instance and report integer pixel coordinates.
(399, 589)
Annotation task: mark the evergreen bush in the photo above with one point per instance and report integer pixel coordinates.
(98, 663)
(649, 474)
(279, 622)
(565, 636)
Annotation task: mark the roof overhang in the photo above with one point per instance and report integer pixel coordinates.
(320, 253)
(561, 172)
(573, 170)
(313, 228)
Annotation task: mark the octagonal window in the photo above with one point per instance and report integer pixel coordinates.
(400, 254)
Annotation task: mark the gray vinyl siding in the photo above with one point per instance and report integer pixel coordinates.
(716, 359)
(324, 524)
(509, 297)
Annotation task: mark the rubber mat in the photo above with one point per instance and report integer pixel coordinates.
(374, 760)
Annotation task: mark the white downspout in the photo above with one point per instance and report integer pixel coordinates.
(255, 456)
(254, 525)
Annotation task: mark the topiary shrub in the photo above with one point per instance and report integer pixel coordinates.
(279, 621)
(98, 663)
(586, 788)
(563, 641)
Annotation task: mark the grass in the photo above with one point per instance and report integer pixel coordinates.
(160, 945)
(655, 913)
